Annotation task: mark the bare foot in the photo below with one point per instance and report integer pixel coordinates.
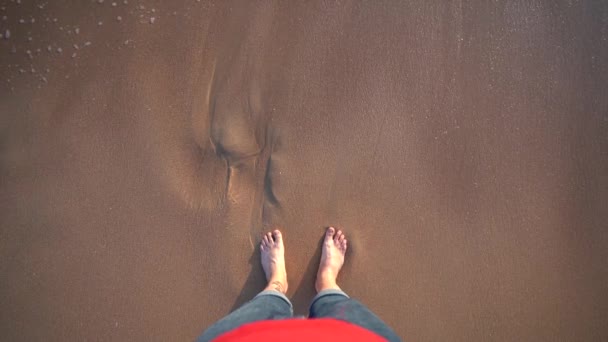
(332, 259)
(273, 261)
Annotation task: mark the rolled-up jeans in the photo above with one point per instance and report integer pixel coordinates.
(270, 304)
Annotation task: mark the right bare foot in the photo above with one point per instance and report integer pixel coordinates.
(332, 259)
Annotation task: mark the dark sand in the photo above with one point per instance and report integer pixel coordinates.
(462, 146)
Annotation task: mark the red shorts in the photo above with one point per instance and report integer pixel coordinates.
(295, 330)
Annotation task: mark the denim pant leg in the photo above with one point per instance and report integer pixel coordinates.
(266, 305)
(336, 304)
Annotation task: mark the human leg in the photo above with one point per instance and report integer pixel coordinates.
(331, 301)
(268, 304)
(271, 303)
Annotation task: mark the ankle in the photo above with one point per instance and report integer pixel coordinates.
(327, 286)
(277, 285)
(326, 282)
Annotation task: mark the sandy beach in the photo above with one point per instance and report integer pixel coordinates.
(145, 146)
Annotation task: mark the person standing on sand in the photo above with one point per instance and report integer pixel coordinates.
(334, 315)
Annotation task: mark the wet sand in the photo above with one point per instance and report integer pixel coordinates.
(462, 146)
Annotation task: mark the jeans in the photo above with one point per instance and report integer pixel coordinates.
(271, 304)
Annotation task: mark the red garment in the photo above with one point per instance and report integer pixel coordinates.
(296, 330)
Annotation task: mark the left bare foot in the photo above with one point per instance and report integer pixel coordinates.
(273, 261)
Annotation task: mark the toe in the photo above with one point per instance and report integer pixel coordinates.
(269, 237)
(265, 240)
(262, 247)
(278, 237)
(330, 233)
(342, 237)
(337, 236)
